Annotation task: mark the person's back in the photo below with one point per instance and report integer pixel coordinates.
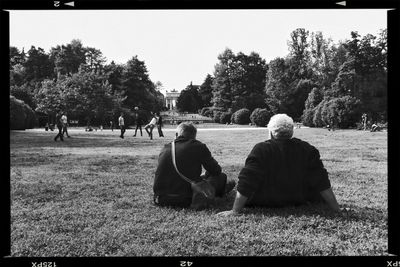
(291, 173)
(138, 119)
(191, 154)
(59, 121)
(282, 171)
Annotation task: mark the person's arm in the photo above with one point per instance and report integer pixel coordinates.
(238, 205)
(207, 160)
(330, 199)
(250, 178)
(318, 179)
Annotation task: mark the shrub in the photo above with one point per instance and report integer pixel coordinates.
(21, 115)
(307, 117)
(209, 113)
(205, 111)
(233, 118)
(260, 117)
(317, 117)
(31, 120)
(242, 116)
(225, 117)
(217, 116)
(344, 112)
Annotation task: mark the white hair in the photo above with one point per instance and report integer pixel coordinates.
(281, 126)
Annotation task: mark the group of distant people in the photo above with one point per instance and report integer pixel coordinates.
(374, 127)
(155, 121)
(365, 125)
(62, 126)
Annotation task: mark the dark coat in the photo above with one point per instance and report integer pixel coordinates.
(283, 172)
(191, 155)
(138, 118)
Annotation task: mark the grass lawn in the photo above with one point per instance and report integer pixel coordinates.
(91, 195)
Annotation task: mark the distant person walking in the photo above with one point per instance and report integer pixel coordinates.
(59, 123)
(151, 125)
(65, 124)
(159, 124)
(364, 121)
(139, 122)
(121, 124)
(112, 126)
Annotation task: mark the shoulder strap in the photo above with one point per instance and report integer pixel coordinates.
(174, 163)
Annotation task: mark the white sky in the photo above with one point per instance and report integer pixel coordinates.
(180, 46)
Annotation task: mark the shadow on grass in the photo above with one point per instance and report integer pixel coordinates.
(353, 213)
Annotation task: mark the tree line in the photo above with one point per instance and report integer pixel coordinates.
(75, 79)
(318, 82)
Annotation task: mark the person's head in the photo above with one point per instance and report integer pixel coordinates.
(158, 114)
(122, 114)
(136, 108)
(186, 129)
(280, 126)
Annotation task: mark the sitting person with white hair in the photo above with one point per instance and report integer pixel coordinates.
(282, 171)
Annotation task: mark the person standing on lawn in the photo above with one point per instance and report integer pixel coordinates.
(282, 171)
(59, 123)
(65, 124)
(159, 124)
(151, 126)
(170, 189)
(121, 123)
(139, 121)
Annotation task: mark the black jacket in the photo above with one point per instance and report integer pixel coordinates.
(283, 172)
(191, 155)
(138, 119)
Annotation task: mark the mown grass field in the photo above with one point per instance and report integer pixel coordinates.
(92, 196)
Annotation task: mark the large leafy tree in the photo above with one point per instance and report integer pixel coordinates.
(222, 83)
(239, 81)
(314, 98)
(86, 96)
(68, 58)
(137, 86)
(94, 59)
(189, 99)
(38, 65)
(278, 85)
(113, 73)
(16, 57)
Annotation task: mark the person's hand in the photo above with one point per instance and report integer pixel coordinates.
(344, 209)
(227, 213)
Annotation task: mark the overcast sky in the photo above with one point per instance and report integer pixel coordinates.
(180, 46)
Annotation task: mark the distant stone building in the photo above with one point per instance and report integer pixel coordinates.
(171, 99)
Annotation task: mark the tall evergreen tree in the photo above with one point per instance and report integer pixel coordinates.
(205, 91)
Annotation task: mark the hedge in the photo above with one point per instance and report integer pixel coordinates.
(21, 115)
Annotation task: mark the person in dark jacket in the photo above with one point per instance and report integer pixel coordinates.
(159, 124)
(191, 155)
(60, 126)
(282, 171)
(139, 122)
